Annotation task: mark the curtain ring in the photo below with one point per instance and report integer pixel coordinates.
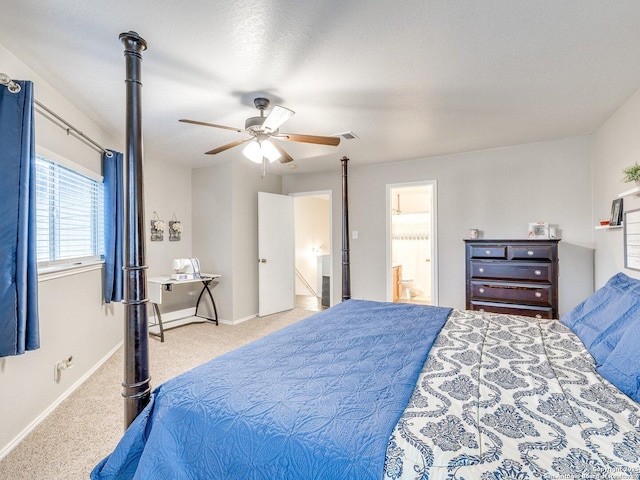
(12, 86)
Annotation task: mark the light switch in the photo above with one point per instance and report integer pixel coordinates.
(354, 234)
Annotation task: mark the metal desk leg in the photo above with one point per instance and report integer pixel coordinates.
(215, 310)
(159, 317)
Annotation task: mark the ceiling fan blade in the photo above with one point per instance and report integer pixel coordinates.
(285, 157)
(320, 140)
(277, 117)
(228, 146)
(195, 122)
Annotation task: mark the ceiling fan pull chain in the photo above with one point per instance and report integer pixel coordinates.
(264, 167)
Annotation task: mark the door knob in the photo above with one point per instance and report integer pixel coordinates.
(263, 260)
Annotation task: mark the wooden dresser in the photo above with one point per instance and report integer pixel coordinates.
(512, 276)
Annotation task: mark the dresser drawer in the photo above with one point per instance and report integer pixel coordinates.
(512, 293)
(533, 252)
(535, 272)
(488, 251)
(527, 311)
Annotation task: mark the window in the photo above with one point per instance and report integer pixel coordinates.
(69, 215)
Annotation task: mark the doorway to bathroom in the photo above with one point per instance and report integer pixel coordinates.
(411, 251)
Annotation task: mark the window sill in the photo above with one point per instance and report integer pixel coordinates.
(52, 273)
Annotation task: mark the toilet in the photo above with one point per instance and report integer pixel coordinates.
(407, 284)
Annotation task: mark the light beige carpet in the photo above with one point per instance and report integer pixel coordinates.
(87, 426)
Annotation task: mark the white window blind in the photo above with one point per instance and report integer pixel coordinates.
(69, 215)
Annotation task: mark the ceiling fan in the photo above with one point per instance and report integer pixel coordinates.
(262, 130)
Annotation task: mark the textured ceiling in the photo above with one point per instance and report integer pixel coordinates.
(412, 79)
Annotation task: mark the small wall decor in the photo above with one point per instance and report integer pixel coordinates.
(616, 212)
(175, 229)
(157, 228)
(538, 230)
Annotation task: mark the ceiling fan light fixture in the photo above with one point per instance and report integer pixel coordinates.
(253, 152)
(269, 151)
(256, 151)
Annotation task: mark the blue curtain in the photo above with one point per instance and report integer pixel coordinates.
(112, 168)
(19, 330)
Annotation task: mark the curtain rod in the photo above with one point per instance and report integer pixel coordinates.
(15, 88)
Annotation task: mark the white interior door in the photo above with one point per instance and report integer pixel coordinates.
(276, 252)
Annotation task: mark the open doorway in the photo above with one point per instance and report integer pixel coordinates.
(411, 247)
(312, 225)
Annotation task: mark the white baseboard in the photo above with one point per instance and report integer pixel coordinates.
(178, 318)
(14, 443)
(175, 315)
(174, 319)
(238, 321)
(185, 316)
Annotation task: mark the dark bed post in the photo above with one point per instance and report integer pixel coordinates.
(136, 383)
(346, 266)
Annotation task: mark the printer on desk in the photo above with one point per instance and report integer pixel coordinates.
(185, 269)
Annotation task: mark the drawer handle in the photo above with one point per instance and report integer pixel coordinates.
(538, 315)
(538, 272)
(481, 290)
(530, 253)
(481, 270)
(488, 252)
(538, 294)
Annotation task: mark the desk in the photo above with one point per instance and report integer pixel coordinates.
(157, 285)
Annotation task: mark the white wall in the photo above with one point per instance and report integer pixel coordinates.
(616, 145)
(73, 319)
(212, 232)
(498, 191)
(167, 190)
(225, 231)
(246, 185)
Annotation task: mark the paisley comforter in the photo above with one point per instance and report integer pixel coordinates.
(507, 397)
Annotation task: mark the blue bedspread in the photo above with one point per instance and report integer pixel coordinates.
(318, 399)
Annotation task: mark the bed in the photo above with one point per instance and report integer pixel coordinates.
(375, 390)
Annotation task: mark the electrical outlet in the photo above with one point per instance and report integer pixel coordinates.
(58, 367)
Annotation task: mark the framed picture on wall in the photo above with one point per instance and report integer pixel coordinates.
(632, 239)
(616, 212)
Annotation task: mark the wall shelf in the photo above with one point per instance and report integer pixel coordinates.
(628, 193)
(607, 227)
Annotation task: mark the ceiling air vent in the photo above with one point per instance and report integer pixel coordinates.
(348, 135)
